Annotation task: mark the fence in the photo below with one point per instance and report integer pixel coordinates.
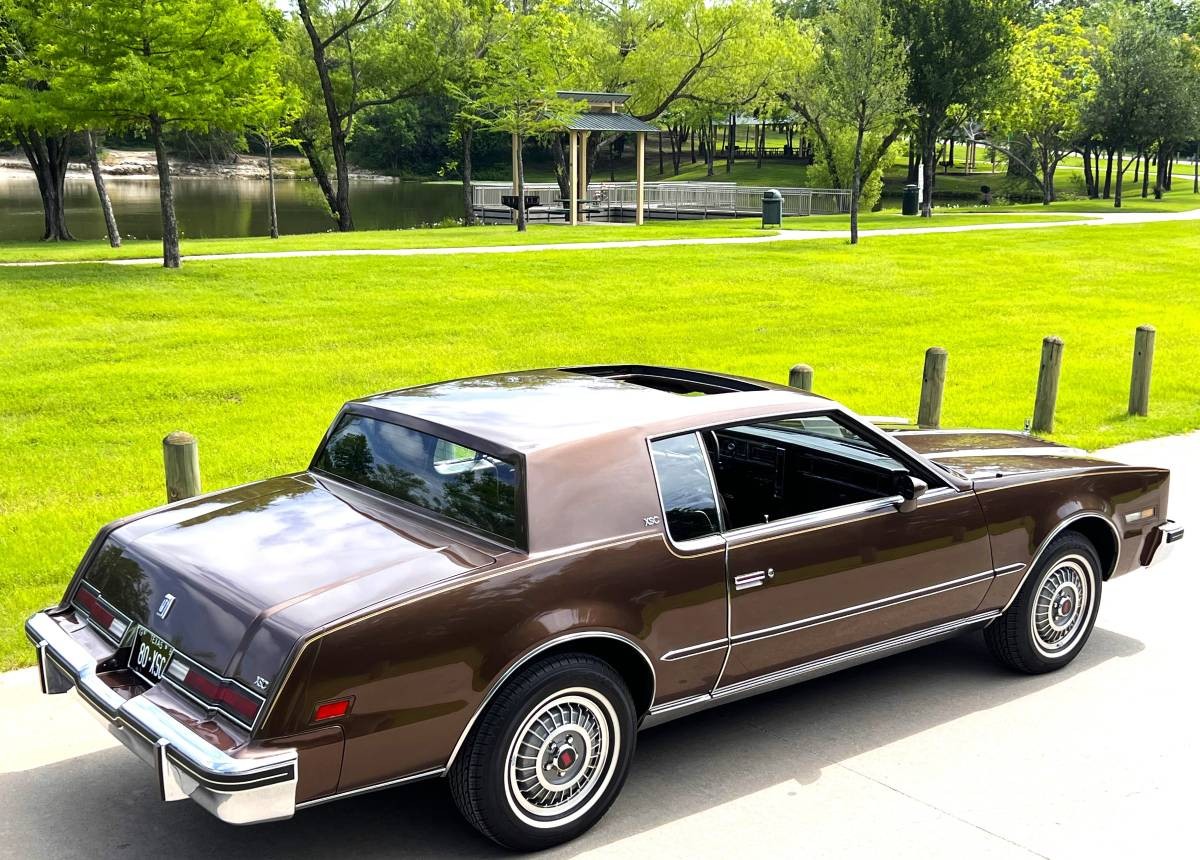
(718, 198)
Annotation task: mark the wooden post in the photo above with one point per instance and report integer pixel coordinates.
(181, 459)
(574, 183)
(1047, 385)
(641, 178)
(933, 380)
(1143, 362)
(801, 376)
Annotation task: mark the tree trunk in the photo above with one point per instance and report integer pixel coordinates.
(522, 215)
(468, 133)
(910, 178)
(339, 200)
(661, 168)
(272, 212)
(1089, 178)
(1146, 175)
(760, 140)
(1137, 168)
(1120, 179)
(110, 220)
(1196, 171)
(929, 149)
(47, 155)
(1162, 177)
(710, 151)
(166, 197)
(730, 153)
(855, 185)
(320, 174)
(1108, 172)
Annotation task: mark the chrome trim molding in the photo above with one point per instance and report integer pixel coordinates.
(850, 611)
(694, 650)
(235, 790)
(1036, 451)
(1055, 532)
(1009, 568)
(379, 786)
(815, 668)
(528, 656)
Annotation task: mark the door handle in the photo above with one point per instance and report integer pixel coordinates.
(753, 579)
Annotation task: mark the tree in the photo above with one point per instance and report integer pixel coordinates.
(33, 113)
(110, 219)
(365, 53)
(517, 93)
(958, 54)
(1132, 78)
(159, 65)
(863, 66)
(1053, 80)
(271, 119)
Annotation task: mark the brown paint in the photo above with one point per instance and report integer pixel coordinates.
(326, 591)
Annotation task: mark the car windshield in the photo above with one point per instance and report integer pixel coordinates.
(473, 488)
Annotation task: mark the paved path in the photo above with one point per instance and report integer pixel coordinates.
(1080, 219)
(933, 754)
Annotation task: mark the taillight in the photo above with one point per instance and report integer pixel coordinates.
(329, 710)
(100, 613)
(218, 692)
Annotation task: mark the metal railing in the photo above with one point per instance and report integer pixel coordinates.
(691, 197)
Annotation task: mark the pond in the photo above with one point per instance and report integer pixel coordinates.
(221, 206)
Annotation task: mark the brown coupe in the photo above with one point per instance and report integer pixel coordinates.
(501, 579)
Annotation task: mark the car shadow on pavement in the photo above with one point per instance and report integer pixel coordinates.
(105, 804)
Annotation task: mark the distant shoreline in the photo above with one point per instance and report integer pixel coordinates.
(140, 164)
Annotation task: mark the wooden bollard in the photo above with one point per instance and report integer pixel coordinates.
(1143, 363)
(1047, 385)
(181, 458)
(933, 381)
(800, 376)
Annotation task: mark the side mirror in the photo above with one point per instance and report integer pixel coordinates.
(909, 489)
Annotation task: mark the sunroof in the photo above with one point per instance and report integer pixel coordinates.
(669, 379)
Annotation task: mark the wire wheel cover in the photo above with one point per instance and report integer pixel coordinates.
(562, 757)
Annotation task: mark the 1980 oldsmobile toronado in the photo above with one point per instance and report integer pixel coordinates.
(501, 579)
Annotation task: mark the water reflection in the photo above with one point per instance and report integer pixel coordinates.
(224, 206)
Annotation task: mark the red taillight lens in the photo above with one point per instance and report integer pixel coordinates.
(329, 710)
(94, 607)
(240, 703)
(209, 689)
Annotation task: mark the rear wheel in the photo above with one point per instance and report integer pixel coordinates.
(549, 755)
(1054, 612)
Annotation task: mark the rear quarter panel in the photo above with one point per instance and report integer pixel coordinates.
(419, 671)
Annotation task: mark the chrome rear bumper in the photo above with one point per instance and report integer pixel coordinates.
(1161, 542)
(235, 790)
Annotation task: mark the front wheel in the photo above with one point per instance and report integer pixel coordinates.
(1054, 612)
(549, 755)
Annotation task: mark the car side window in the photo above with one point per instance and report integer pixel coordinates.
(686, 485)
(785, 467)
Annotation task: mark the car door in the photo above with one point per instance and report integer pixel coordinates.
(834, 565)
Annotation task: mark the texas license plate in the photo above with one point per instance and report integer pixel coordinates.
(150, 655)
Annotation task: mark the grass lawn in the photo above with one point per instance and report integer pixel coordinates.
(434, 237)
(256, 356)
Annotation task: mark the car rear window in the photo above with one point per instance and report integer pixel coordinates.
(474, 488)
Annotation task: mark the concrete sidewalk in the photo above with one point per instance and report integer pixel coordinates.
(1081, 219)
(933, 754)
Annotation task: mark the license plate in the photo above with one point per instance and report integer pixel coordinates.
(150, 655)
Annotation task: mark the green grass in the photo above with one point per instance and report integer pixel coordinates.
(438, 237)
(256, 356)
(943, 217)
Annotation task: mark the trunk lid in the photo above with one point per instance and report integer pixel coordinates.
(254, 569)
(994, 453)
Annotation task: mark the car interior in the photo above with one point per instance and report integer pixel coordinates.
(765, 472)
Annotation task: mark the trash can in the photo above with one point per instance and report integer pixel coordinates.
(772, 208)
(912, 201)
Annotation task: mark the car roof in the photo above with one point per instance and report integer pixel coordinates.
(533, 409)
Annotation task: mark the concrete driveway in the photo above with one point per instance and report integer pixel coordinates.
(935, 753)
